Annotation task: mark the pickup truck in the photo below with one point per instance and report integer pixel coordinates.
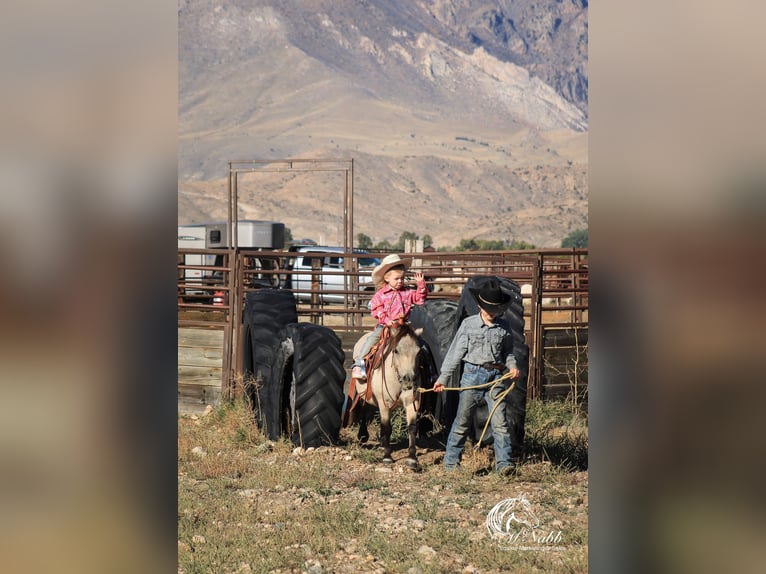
(329, 271)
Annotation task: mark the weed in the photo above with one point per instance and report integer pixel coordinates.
(368, 455)
(556, 434)
(252, 505)
(362, 486)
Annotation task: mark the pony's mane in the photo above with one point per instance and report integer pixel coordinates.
(401, 332)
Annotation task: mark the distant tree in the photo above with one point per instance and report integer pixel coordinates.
(288, 235)
(427, 240)
(363, 241)
(468, 245)
(488, 245)
(491, 244)
(578, 239)
(384, 245)
(517, 244)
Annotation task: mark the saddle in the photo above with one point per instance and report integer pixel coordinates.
(372, 360)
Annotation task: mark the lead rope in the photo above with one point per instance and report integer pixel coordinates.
(500, 397)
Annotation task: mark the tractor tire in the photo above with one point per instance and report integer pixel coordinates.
(427, 405)
(310, 367)
(437, 317)
(267, 311)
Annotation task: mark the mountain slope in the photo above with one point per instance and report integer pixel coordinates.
(439, 120)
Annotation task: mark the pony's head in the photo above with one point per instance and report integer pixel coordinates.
(404, 354)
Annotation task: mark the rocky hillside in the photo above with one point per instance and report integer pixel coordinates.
(464, 119)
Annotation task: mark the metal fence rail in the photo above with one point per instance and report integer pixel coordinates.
(213, 285)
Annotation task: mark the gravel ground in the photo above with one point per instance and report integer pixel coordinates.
(403, 521)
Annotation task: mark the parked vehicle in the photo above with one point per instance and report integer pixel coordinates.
(261, 236)
(326, 264)
(270, 265)
(251, 234)
(193, 237)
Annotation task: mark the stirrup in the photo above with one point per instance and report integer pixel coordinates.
(358, 372)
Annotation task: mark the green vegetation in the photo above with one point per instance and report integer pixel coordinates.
(363, 241)
(557, 432)
(386, 245)
(489, 245)
(366, 242)
(578, 239)
(492, 245)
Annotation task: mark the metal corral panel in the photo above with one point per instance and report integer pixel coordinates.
(200, 367)
(565, 363)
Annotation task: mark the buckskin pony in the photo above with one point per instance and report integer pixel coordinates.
(393, 376)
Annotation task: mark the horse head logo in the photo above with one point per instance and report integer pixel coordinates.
(508, 515)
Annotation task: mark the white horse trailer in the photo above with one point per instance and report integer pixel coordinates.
(193, 237)
(267, 236)
(251, 234)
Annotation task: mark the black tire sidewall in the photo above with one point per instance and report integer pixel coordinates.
(267, 312)
(314, 379)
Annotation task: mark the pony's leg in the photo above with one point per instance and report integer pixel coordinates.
(412, 428)
(363, 435)
(385, 433)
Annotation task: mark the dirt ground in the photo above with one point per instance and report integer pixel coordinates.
(273, 507)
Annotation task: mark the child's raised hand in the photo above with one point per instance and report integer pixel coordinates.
(418, 277)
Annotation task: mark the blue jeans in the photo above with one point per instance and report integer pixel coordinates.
(368, 343)
(475, 375)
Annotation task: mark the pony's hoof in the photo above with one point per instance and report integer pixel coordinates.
(411, 463)
(388, 460)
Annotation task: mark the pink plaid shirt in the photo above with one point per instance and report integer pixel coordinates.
(388, 304)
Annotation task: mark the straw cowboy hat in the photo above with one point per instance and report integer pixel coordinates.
(491, 298)
(388, 262)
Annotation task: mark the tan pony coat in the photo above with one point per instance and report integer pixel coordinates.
(393, 385)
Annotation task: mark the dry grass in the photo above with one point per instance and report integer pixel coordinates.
(249, 505)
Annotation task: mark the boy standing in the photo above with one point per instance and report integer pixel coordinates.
(484, 343)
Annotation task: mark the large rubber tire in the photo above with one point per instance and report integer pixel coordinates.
(310, 360)
(516, 400)
(438, 318)
(427, 370)
(267, 311)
